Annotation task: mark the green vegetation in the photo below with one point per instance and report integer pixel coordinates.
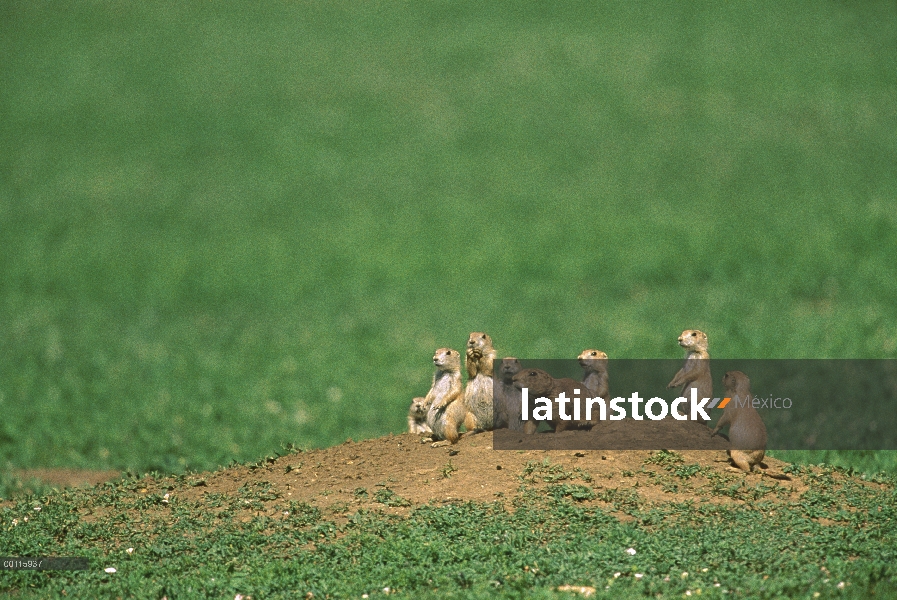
(229, 227)
(224, 228)
(836, 540)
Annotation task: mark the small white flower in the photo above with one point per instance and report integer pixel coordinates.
(841, 586)
(639, 575)
(238, 597)
(364, 596)
(704, 570)
(25, 519)
(684, 574)
(286, 513)
(631, 551)
(15, 522)
(617, 574)
(688, 592)
(130, 551)
(37, 509)
(109, 569)
(716, 585)
(386, 590)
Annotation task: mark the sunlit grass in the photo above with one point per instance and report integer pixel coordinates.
(229, 228)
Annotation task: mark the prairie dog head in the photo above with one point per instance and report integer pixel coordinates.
(510, 366)
(418, 408)
(536, 380)
(692, 339)
(478, 344)
(447, 359)
(593, 360)
(737, 384)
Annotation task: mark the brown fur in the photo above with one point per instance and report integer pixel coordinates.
(695, 373)
(478, 392)
(507, 399)
(417, 416)
(541, 384)
(445, 397)
(747, 433)
(594, 376)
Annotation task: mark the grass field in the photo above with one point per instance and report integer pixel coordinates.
(229, 227)
(821, 534)
(224, 228)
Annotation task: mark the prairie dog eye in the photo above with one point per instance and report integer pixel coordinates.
(694, 334)
(594, 354)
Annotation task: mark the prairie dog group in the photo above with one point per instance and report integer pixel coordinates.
(484, 403)
(491, 397)
(747, 433)
(449, 404)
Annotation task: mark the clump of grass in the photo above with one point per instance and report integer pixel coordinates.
(390, 498)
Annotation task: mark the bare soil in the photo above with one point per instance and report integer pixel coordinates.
(344, 478)
(393, 474)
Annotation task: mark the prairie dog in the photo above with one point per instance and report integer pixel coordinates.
(480, 354)
(594, 376)
(695, 373)
(417, 416)
(747, 433)
(542, 384)
(445, 397)
(478, 392)
(507, 399)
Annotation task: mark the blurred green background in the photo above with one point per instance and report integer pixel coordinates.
(229, 226)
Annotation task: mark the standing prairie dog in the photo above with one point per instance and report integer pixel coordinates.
(747, 433)
(695, 373)
(541, 384)
(594, 376)
(507, 397)
(478, 393)
(417, 416)
(445, 398)
(480, 354)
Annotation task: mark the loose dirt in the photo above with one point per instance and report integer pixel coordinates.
(395, 473)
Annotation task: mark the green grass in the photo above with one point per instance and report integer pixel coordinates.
(741, 538)
(228, 227)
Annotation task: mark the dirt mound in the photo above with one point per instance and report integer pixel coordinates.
(395, 473)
